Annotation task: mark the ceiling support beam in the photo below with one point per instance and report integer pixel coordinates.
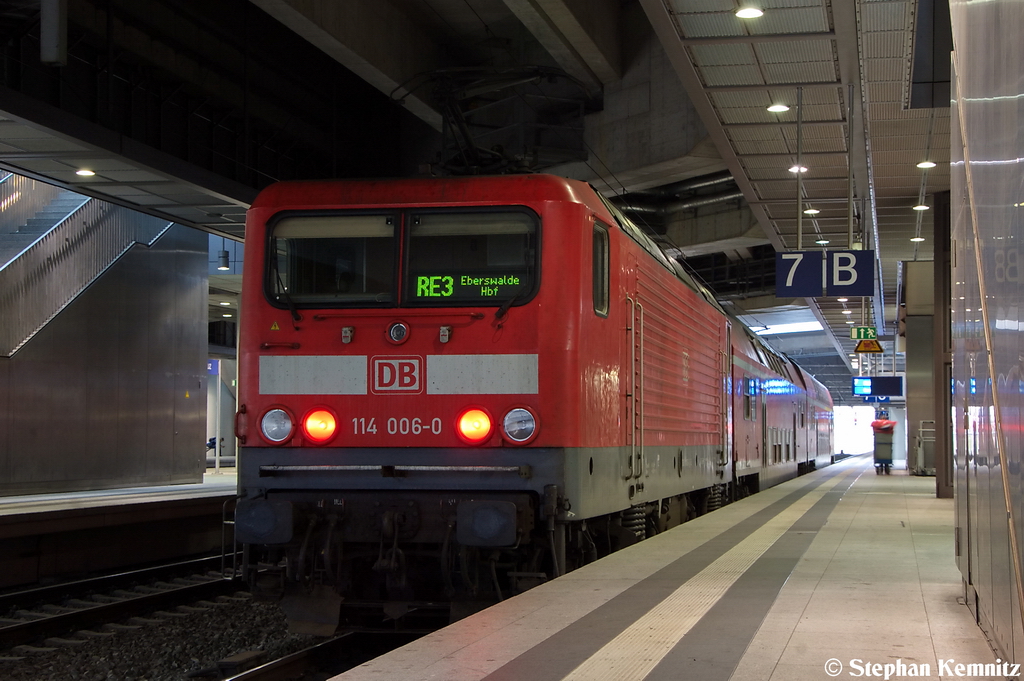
(785, 124)
(583, 37)
(769, 86)
(790, 154)
(769, 38)
(371, 38)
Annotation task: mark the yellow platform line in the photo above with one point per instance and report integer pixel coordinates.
(632, 654)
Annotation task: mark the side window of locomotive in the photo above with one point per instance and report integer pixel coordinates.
(602, 268)
(332, 260)
(471, 258)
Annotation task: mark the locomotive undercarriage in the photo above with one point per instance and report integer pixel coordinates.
(414, 560)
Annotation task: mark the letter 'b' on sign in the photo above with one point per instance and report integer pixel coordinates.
(850, 273)
(798, 274)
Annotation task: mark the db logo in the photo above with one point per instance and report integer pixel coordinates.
(397, 374)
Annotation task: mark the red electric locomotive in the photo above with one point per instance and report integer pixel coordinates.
(453, 388)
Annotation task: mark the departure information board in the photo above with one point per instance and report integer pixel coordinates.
(891, 386)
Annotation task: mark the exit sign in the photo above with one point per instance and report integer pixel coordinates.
(863, 333)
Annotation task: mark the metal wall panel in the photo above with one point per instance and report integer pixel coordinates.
(986, 302)
(97, 398)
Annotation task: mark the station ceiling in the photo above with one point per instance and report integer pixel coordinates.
(186, 109)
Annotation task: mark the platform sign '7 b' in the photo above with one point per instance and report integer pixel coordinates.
(798, 274)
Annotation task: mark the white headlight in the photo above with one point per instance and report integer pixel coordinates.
(519, 425)
(276, 425)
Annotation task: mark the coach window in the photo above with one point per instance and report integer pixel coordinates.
(601, 270)
(331, 260)
(749, 399)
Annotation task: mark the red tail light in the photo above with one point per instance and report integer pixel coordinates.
(474, 426)
(319, 425)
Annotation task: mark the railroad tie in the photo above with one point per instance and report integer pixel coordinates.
(30, 650)
(57, 642)
(89, 633)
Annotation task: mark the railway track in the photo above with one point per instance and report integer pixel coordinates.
(122, 601)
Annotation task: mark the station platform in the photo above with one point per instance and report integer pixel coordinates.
(45, 537)
(835, 574)
(213, 485)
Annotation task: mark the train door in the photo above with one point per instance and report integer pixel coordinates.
(796, 440)
(727, 460)
(766, 444)
(633, 464)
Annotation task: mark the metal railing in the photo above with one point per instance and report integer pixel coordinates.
(21, 198)
(48, 274)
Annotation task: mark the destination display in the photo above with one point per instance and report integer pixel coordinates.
(891, 386)
(463, 286)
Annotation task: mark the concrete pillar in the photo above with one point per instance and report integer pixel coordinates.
(920, 326)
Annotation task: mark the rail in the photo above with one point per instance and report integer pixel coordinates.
(102, 600)
(341, 653)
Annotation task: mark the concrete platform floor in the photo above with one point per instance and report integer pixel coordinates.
(850, 572)
(878, 584)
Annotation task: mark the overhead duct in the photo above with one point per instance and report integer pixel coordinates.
(677, 188)
(665, 208)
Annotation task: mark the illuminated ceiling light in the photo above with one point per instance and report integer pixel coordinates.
(226, 315)
(84, 172)
(849, 321)
(921, 207)
(926, 164)
(821, 242)
(847, 311)
(842, 300)
(223, 303)
(797, 169)
(778, 108)
(749, 12)
(811, 211)
(917, 238)
(223, 260)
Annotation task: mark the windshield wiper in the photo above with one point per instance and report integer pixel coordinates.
(283, 292)
(499, 315)
(503, 310)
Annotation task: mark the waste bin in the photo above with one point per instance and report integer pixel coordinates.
(884, 429)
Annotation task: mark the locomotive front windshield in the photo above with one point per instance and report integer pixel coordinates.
(330, 260)
(451, 258)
